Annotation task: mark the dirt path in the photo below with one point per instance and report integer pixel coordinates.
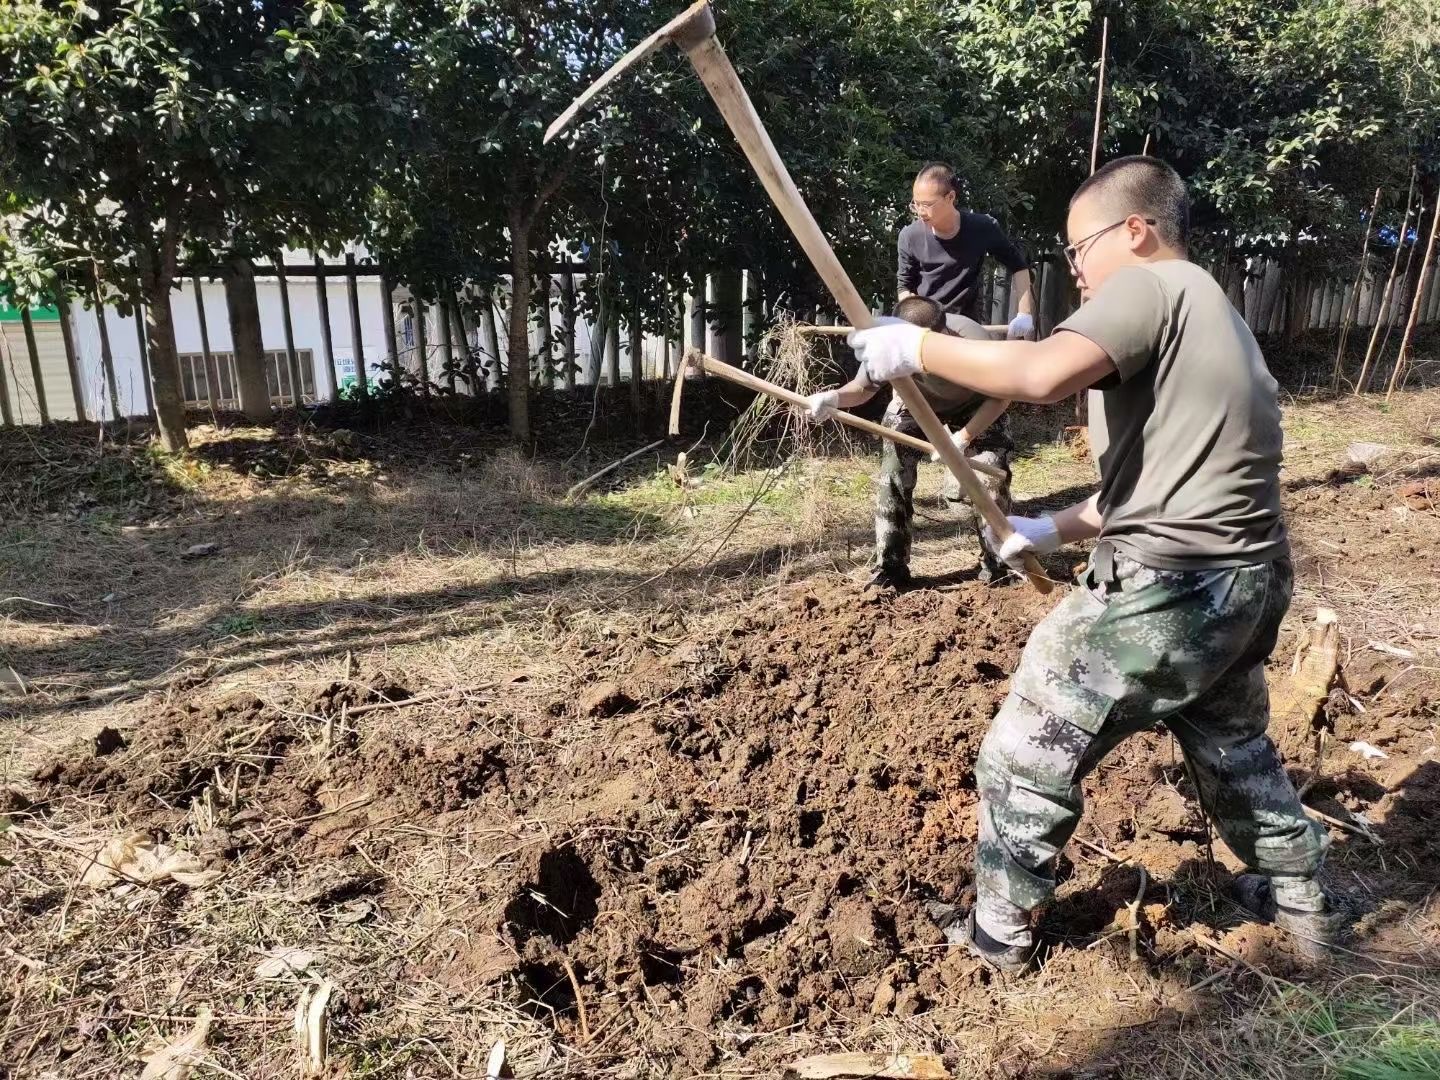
(643, 804)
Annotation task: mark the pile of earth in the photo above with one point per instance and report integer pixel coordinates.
(737, 830)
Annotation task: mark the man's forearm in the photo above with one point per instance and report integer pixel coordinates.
(1020, 280)
(990, 411)
(1035, 371)
(855, 392)
(1080, 521)
(904, 292)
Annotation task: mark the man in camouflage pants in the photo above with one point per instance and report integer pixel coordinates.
(981, 432)
(1134, 646)
(1180, 606)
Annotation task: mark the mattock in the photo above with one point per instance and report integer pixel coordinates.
(693, 32)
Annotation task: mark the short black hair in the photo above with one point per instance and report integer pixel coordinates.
(922, 311)
(940, 173)
(1145, 186)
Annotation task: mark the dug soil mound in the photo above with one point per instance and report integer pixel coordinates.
(706, 837)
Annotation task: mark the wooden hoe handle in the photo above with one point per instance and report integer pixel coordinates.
(720, 369)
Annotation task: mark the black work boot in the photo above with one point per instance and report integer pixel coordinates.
(962, 930)
(1314, 934)
(993, 570)
(895, 577)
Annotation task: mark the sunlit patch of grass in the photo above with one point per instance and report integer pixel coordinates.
(1048, 467)
(185, 471)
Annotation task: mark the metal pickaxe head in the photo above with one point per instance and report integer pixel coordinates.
(691, 27)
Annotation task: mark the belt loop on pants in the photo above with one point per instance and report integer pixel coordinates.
(1102, 564)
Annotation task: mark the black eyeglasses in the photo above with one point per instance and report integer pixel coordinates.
(1072, 251)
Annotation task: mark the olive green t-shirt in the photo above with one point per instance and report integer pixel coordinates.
(1187, 434)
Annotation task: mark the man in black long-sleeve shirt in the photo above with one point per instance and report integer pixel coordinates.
(941, 253)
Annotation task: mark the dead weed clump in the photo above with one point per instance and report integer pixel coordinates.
(513, 473)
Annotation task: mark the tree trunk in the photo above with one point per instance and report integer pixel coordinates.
(567, 327)
(422, 344)
(387, 314)
(252, 387)
(212, 377)
(144, 352)
(357, 337)
(72, 360)
(750, 319)
(612, 348)
(460, 335)
(447, 341)
(327, 340)
(599, 333)
(637, 361)
(519, 345)
(545, 367)
(292, 358)
(107, 361)
(156, 282)
(696, 337)
(725, 320)
(490, 337)
(6, 416)
(36, 374)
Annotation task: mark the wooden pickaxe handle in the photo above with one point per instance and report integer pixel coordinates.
(721, 79)
(722, 370)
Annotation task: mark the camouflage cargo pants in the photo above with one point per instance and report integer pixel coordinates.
(1133, 646)
(895, 492)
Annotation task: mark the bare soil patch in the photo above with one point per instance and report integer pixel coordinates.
(694, 834)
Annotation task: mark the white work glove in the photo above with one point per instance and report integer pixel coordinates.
(1038, 535)
(821, 406)
(888, 350)
(1021, 326)
(956, 437)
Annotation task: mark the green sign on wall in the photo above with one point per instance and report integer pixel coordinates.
(10, 313)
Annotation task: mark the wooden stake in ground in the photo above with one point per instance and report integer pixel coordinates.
(1397, 377)
(1362, 382)
(1353, 307)
(1398, 300)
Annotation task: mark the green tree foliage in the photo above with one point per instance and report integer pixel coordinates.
(136, 134)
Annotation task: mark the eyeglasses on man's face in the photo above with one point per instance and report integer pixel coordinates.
(924, 207)
(1072, 251)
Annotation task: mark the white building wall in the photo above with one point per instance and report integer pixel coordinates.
(305, 321)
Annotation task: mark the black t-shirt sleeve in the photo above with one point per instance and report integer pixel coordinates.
(907, 273)
(1005, 250)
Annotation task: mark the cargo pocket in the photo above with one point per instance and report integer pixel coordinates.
(1073, 715)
